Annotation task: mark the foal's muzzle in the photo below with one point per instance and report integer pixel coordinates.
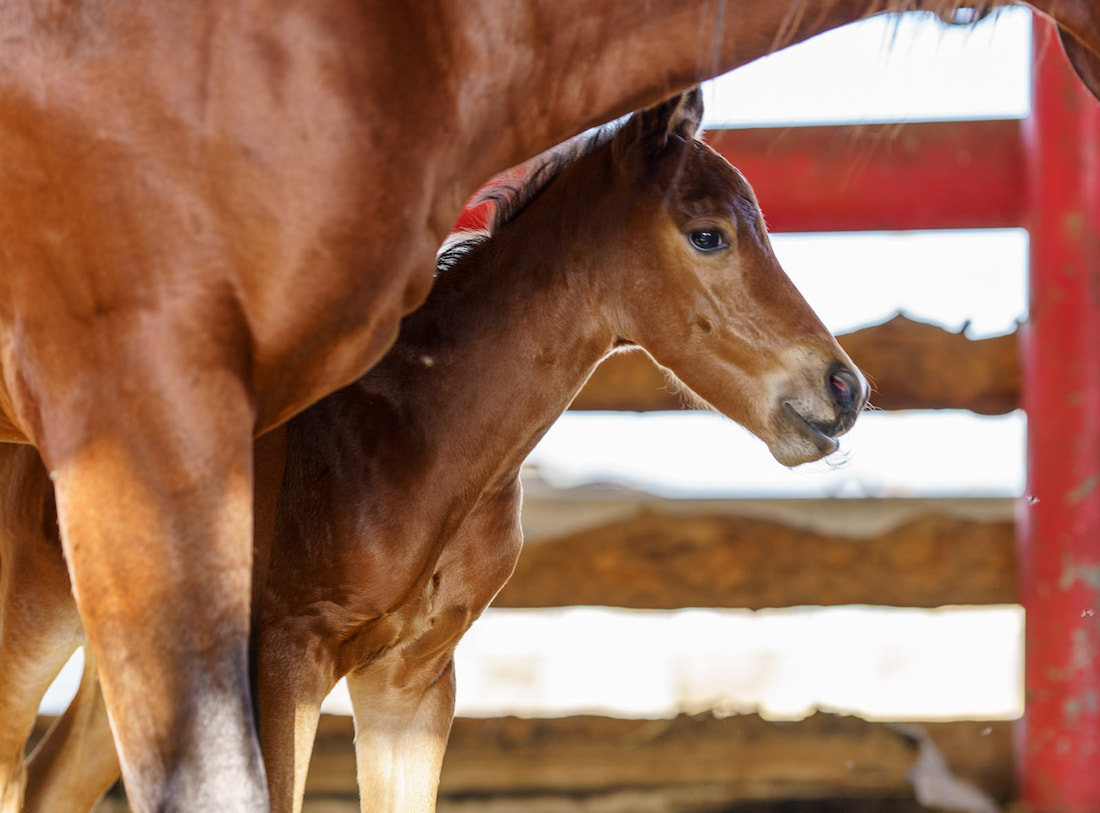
(849, 392)
(809, 423)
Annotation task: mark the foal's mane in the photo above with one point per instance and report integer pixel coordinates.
(513, 193)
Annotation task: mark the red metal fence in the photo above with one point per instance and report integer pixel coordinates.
(1058, 752)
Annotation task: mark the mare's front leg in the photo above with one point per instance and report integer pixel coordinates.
(39, 625)
(75, 764)
(147, 434)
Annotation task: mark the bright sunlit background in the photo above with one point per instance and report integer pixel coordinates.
(881, 663)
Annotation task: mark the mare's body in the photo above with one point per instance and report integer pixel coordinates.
(216, 213)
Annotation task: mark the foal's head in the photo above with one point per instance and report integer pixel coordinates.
(701, 290)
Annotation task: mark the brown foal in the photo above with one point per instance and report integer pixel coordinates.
(398, 516)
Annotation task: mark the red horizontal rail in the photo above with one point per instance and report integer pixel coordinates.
(920, 175)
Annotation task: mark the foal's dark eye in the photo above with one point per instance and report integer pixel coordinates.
(707, 239)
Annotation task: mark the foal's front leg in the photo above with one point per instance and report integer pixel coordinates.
(292, 682)
(402, 721)
(404, 702)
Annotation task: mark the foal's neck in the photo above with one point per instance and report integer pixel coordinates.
(502, 346)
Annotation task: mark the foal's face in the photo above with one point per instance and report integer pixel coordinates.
(722, 315)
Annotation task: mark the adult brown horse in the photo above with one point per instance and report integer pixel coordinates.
(215, 213)
(398, 519)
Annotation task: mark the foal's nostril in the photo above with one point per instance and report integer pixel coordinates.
(845, 387)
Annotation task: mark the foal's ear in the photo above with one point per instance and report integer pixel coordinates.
(653, 127)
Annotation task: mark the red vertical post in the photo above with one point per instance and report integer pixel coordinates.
(1058, 748)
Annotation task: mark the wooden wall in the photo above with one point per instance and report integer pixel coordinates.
(910, 364)
(648, 553)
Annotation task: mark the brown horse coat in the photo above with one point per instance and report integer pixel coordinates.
(214, 214)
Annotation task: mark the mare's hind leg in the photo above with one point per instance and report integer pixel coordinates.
(39, 625)
(76, 762)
